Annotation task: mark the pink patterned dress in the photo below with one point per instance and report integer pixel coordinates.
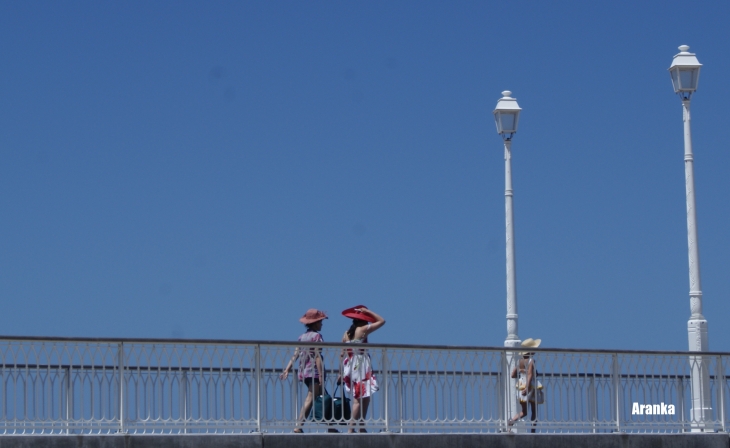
(307, 356)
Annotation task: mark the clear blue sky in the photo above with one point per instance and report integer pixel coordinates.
(214, 169)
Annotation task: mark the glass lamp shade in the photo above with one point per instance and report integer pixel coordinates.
(507, 114)
(685, 79)
(685, 71)
(506, 121)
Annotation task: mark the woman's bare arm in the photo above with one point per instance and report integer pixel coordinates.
(379, 321)
(288, 367)
(320, 367)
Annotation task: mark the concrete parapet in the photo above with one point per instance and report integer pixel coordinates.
(125, 441)
(374, 441)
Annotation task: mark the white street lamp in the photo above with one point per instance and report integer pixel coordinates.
(506, 116)
(685, 71)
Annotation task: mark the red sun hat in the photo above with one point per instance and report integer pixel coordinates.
(353, 314)
(312, 315)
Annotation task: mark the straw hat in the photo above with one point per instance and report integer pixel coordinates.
(313, 315)
(530, 343)
(353, 313)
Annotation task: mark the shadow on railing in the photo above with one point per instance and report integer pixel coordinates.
(145, 386)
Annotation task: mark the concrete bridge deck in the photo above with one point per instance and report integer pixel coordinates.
(718, 440)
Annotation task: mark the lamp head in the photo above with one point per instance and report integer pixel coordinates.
(685, 71)
(507, 115)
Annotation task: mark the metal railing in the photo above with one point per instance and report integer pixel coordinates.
(136, 386)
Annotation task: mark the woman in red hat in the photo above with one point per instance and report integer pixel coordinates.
(357, 369)
(311, 367)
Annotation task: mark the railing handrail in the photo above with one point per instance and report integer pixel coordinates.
(331, 370)
(343, 345)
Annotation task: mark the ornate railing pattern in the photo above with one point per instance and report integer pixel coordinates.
(135, 386)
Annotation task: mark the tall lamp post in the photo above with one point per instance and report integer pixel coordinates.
(506, 116)
(685, 72)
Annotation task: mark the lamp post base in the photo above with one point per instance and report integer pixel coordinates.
(510, 383)
(701, 413)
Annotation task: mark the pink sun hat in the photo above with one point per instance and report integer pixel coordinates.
(313, 315)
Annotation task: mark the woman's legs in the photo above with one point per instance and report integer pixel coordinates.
(355, 414)
(523, 413)
(359, 412)
(364, 404)
(314, 390)
(533, 415)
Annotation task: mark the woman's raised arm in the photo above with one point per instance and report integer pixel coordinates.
(379, 321)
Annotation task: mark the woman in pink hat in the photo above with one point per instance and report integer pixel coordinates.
(311, 367)
(357, 369)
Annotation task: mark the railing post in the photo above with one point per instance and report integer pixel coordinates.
(400, 400)
(386, 380)
(616, 381)
(504, 383)
(680, 399)
(257, 353)
(184, 400)
(120, 369)
(720, 388)
(592, 402)
(295, 385)
(67, 386)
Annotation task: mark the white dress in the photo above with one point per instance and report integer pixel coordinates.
(357, 372)
(522, 384)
